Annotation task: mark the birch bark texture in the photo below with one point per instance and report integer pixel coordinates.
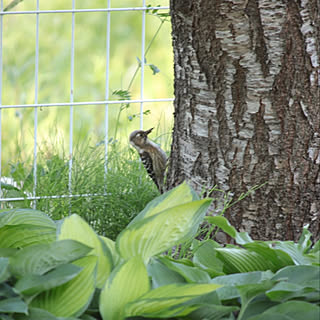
(247, 109)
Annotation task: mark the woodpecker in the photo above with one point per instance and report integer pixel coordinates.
(153, 157)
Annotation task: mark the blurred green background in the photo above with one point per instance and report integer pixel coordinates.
(18, 78)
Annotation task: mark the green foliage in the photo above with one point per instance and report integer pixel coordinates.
(156, 233)
(127, 283)
(24, 227)
(77, 274)
(74, 227)
(109, 209)
(38, 259)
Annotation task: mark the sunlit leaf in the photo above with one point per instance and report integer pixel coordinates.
(25, 217)
(160, 232)
(23, 227)
(177, 196)
(112, 248)
(40, 314)
(126, 283)
(74, 227)
(23, 235)
(73, 297)
(276, 258)
(169, 300)
(241, 260)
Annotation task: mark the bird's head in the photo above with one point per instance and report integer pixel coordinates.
(138, 138)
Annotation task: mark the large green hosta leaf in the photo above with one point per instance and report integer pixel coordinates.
(169, 300)
(40, 258)
(112, 248)
(290, 310)
(40, 314)
(126, 283)
(205, 256)
(306, 276)
(162, 275)
(34, 284)
(25, 216)
(161, 231)
(250, 287)
(73, 297)
(241, 260)
(276, 258)
(250, 293)
(24, 235)
(74, 227)
(177, 196)
(23, 227)
(212, 312)
(297, 281)
(230, 281)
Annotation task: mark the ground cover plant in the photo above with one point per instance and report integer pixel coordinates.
(50, 270)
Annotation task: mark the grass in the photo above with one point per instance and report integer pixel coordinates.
(117, 196)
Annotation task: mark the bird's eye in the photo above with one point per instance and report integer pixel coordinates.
(138, 135)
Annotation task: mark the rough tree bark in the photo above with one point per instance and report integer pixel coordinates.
(247, 108)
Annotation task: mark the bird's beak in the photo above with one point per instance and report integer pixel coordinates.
(148, 131)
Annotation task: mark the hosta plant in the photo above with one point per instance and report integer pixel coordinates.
(64, 270)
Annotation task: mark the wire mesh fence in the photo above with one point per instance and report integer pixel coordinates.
(72, 103)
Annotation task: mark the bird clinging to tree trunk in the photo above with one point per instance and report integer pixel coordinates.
(153, 157)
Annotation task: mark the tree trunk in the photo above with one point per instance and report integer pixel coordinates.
(247, 109)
